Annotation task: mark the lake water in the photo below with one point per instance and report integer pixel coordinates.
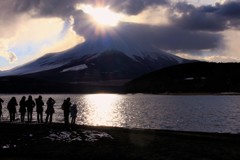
(188, 113)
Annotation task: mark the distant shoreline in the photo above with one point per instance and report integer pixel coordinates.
(173, 93)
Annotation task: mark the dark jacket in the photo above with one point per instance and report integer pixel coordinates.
(22, 108)
(12, 106)
(39, 104)
(30, 104)
(50, 103)
(66, 106)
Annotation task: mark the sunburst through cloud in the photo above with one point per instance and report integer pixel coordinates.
(102, 16)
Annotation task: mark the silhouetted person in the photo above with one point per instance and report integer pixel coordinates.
(1, 101)
(11, 106)
(66, 109)
(39, 105)
(50, 109)
(22, 108)
(73, 112)
(30, 104)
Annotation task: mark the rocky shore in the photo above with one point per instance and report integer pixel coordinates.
(59, 141)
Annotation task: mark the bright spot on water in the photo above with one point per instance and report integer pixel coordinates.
(102, 109)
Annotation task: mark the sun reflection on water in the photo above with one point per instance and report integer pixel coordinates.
(102, 109)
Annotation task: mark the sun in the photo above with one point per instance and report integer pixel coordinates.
(102, 16)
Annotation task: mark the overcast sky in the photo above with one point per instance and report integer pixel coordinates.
(196, 29)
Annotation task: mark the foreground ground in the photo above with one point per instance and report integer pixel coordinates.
(58, 141)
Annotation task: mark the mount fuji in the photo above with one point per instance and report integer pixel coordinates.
(100, 60)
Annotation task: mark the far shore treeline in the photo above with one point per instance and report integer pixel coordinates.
(197, 77)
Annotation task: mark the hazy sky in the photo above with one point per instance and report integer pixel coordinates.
(197, 29)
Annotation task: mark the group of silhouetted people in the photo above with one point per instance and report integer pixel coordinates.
(27, 105)
(68, 108)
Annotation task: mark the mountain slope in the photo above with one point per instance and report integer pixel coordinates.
(97, 60)
(108, 65)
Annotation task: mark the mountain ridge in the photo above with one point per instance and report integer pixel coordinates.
(197, 77)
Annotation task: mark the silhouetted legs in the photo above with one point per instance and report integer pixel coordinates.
(12, 116)
(29, 115)
(40, 117)
(73, 120)
(66, 117)
(50, 118)
(22, 116)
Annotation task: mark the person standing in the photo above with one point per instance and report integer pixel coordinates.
(1, 101)
(30, 104)
(11, 106)
(73, 112)
(39, 105)
(66, 109)
(50, 110)
(22, 108)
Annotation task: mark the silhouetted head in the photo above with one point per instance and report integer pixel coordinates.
(29, 97)
(68, 99)
(13, 99)
(74, 105)
(40, 97)
(23, 98)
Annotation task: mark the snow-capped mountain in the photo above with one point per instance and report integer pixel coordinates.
(98, 59)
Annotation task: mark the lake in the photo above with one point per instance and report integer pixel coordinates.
(208, 113)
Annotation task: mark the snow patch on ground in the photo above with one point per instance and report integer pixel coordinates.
(63, 136)
(76, 68)
(86, 135)
(7, 146)
(92, 136)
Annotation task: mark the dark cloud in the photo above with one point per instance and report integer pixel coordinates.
(208, 18)
(170, 37)
(183, 7)
(61, 8)
(148, 37)
(82, 24)
(133, 7)
(205, 21)
(24, 5)
(38, 8)
(229, 10)
(41, 8)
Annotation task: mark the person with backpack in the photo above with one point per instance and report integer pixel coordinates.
(39, 109)
(30, 104)
(66, 109)
(50, 110)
